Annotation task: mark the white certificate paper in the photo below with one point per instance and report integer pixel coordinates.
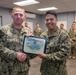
(34, 45)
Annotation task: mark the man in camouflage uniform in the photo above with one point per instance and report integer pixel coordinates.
(62, 27)
(26, 25)
(37, 30)
(12, 60)
(72, 34)
(58, 47)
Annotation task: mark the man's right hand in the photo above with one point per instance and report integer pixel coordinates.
(20, 56)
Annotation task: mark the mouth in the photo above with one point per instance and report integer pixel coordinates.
(50, 24)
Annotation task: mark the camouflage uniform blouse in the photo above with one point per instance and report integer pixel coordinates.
(58, 49)
(72, 34)
(12, 44)
(37, 31)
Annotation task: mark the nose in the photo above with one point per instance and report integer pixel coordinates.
(49, 21)
(18, 15)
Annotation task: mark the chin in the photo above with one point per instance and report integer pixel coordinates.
(50, 28)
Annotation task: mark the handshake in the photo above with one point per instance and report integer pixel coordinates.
(21, 57)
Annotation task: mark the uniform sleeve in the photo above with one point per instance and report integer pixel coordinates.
(5, 53)
(61, 50)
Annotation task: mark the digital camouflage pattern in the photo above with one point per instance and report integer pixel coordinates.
(37, 31)
(64, 30)
(72, 34)
(11, 43)
(58, 49)
(1, 37)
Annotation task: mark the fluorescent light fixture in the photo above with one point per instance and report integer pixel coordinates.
(48, 8)
(26, 2)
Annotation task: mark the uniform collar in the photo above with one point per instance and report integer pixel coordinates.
(55, 32)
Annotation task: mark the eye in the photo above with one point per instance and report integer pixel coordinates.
(47, 19)
(51, 19)
(18, 15)
(21, 14)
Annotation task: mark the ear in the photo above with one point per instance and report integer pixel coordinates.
(11, 15)
(25, 16)
(57, 20)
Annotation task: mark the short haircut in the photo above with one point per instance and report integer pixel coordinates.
(37, 23)
(74, 22)
(18, 7)
(52, 13)
(62, 24)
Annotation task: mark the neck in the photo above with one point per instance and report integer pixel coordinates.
(17, 26)
(51, 30)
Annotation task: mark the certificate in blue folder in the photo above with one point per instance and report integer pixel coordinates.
(34, 45)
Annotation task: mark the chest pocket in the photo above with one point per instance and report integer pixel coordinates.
(13, 44)
(53, 44)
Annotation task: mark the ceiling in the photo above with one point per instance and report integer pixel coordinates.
(62, 5)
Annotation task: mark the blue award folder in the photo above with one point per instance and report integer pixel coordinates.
(34, 45)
